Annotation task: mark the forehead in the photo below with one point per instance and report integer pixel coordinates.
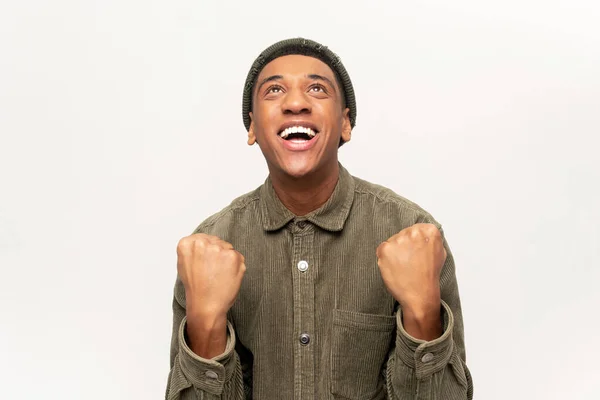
(296, 65)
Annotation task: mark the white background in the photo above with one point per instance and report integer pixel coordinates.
(117, 117)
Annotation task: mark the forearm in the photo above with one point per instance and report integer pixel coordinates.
(427, 364)
(206, 333)
(202, 376)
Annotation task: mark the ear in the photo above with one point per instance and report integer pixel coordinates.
(251, 136)
(346, 126)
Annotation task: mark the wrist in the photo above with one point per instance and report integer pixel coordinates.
(423, 302)
(205, 319)
(422, 317)
(206, 334)
(422, 310)
(198, 307)
(424, 321)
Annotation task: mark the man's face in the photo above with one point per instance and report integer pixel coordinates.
(298, 116)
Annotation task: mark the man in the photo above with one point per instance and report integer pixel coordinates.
(317, 285)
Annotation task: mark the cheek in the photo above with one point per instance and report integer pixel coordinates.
(335, 120)
(331, 111)
(264, 115)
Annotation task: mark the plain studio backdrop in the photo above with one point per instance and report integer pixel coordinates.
(118, 117)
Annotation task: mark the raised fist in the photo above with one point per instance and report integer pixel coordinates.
(211, 272)
(410, 263)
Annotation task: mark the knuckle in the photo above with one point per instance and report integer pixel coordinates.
(212, 248)
(200, 243)
(433, 230)
(241, 258)
(415, 232)
(382, 248)
(183, 245)
(230, 255)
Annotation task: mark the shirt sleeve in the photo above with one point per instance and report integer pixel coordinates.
(432, 370)
(192, 377)
(425, 357)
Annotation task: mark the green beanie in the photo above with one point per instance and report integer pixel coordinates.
(304, 47)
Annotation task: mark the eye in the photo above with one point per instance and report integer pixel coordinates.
(274, 89)
(317, 89)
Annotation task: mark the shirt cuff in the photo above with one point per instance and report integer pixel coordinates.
(205, 374)
(426, 358)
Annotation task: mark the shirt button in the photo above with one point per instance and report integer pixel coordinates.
(211, 375)
(302, 224)
(427, 357)
(305, 339)
(302, 266)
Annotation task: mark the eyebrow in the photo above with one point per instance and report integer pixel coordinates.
(311, 76)
(269, 79)
(322, 78)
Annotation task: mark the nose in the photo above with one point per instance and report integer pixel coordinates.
(296, 102)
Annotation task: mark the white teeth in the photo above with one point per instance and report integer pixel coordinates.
(297, 129)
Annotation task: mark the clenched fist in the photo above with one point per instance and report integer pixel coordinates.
(211, 272)
(410, 263)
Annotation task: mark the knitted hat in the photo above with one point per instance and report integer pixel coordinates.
(304, 47)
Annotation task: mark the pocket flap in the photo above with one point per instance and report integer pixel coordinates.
(372, 322)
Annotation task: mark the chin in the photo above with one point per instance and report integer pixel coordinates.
(299, 170)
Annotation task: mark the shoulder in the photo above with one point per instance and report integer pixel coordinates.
(241, 209)
(382, 197)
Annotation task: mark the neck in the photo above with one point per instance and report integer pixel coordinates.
(304, 195)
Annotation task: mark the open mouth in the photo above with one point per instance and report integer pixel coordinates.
(298, 134)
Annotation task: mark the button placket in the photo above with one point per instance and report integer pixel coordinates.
(303, 281)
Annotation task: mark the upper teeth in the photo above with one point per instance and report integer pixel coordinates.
(296, 129)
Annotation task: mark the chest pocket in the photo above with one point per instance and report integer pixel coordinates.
(360, 345)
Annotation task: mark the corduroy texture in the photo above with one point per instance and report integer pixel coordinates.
(304, 47)
(358, 348)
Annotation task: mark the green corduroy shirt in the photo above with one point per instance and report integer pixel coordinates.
(313, 318)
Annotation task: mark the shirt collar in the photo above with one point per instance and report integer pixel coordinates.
(330, 216)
